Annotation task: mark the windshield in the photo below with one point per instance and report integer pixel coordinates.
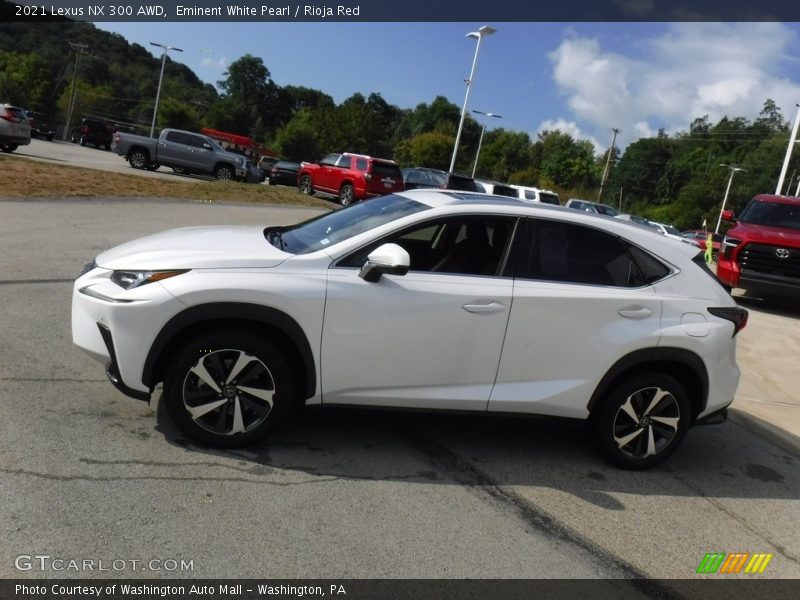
(772, 214)
(339, 225)
(671, 230)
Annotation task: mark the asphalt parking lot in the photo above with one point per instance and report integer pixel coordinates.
(88, 473)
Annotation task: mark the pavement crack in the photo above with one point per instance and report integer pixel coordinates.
(467, 474)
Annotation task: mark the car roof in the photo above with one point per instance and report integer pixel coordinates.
(777, 199)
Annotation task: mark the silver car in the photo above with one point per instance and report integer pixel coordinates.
(15, 130)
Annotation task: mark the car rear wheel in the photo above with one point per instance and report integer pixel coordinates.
(153, 166)
(224, 173)
(305, 186)
(228, 388)
(642, 421)
(346, 195)
(138, 159)
(9, 147)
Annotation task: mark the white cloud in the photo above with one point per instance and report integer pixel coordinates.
(691, 70)
(571, 128)
(218, 64)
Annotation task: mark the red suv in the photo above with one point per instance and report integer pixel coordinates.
(350, 177)
(761, 252)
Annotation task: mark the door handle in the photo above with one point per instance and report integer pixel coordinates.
(489, 307)
(635, 312)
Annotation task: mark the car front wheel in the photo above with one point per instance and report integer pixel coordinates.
(9, 147)
(224, 173)
(642, 421)
(228, 388)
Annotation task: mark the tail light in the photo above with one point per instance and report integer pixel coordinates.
(734, 314)
(7, 115)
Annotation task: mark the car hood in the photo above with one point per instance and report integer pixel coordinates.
(779, 236)
(196, 248)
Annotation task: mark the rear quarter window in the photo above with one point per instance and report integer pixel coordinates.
(382, 169)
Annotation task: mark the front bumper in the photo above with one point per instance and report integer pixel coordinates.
(112, 368)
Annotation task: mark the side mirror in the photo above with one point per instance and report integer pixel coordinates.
(388, 259)
(727, 215)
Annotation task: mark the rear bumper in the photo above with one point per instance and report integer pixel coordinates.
(19, 140)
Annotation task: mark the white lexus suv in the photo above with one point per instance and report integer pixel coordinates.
(431, 300)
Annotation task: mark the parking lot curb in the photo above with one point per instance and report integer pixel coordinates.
(772, 433)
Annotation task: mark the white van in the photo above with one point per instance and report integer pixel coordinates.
(532, 194)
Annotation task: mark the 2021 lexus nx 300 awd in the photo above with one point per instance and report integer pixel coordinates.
(432, 300)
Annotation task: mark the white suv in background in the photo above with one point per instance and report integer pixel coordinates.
(532, 194)
(431, 300)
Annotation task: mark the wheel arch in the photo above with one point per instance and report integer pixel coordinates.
(685, 366)
(270, 322)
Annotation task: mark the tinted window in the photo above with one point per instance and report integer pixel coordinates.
(344, 162)
(197, 141)
(549, 198)
(177, 137)
(556, 251)
(384, 169)
(361, 164)
(605, 210)
(504, 190)
(464, 184)
(329, 160)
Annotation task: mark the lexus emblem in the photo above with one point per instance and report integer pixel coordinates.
(782, 253)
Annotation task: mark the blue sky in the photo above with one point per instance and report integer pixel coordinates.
(583, 78)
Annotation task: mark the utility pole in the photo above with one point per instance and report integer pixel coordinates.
(608, 163)
(78, 48)
(792, 138)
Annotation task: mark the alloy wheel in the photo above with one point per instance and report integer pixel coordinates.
(646, 423)
(227, 392)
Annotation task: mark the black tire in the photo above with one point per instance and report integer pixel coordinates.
(224, 173)
(179, 170)
(347, 195)
(139, 159)
(634, 428)
(238, 399)
(83, 141)
(9, 147)
(305, 186)
(49, 138)
(153, 166)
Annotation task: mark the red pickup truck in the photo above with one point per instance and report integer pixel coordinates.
(761, 252)
(350, 177)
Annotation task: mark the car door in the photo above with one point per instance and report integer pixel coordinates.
(173, 150)
(428, 339)
(201, 154)
(580, 304)
(324, 177)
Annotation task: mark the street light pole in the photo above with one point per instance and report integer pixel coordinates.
(480, 140)
(788, 151)
(479, 35)
(733, 170)
(160, 77)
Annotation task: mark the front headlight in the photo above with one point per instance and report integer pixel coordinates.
(134, 279)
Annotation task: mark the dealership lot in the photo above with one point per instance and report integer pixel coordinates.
(91, 474)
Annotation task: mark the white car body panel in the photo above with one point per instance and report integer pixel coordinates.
(441, 355)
